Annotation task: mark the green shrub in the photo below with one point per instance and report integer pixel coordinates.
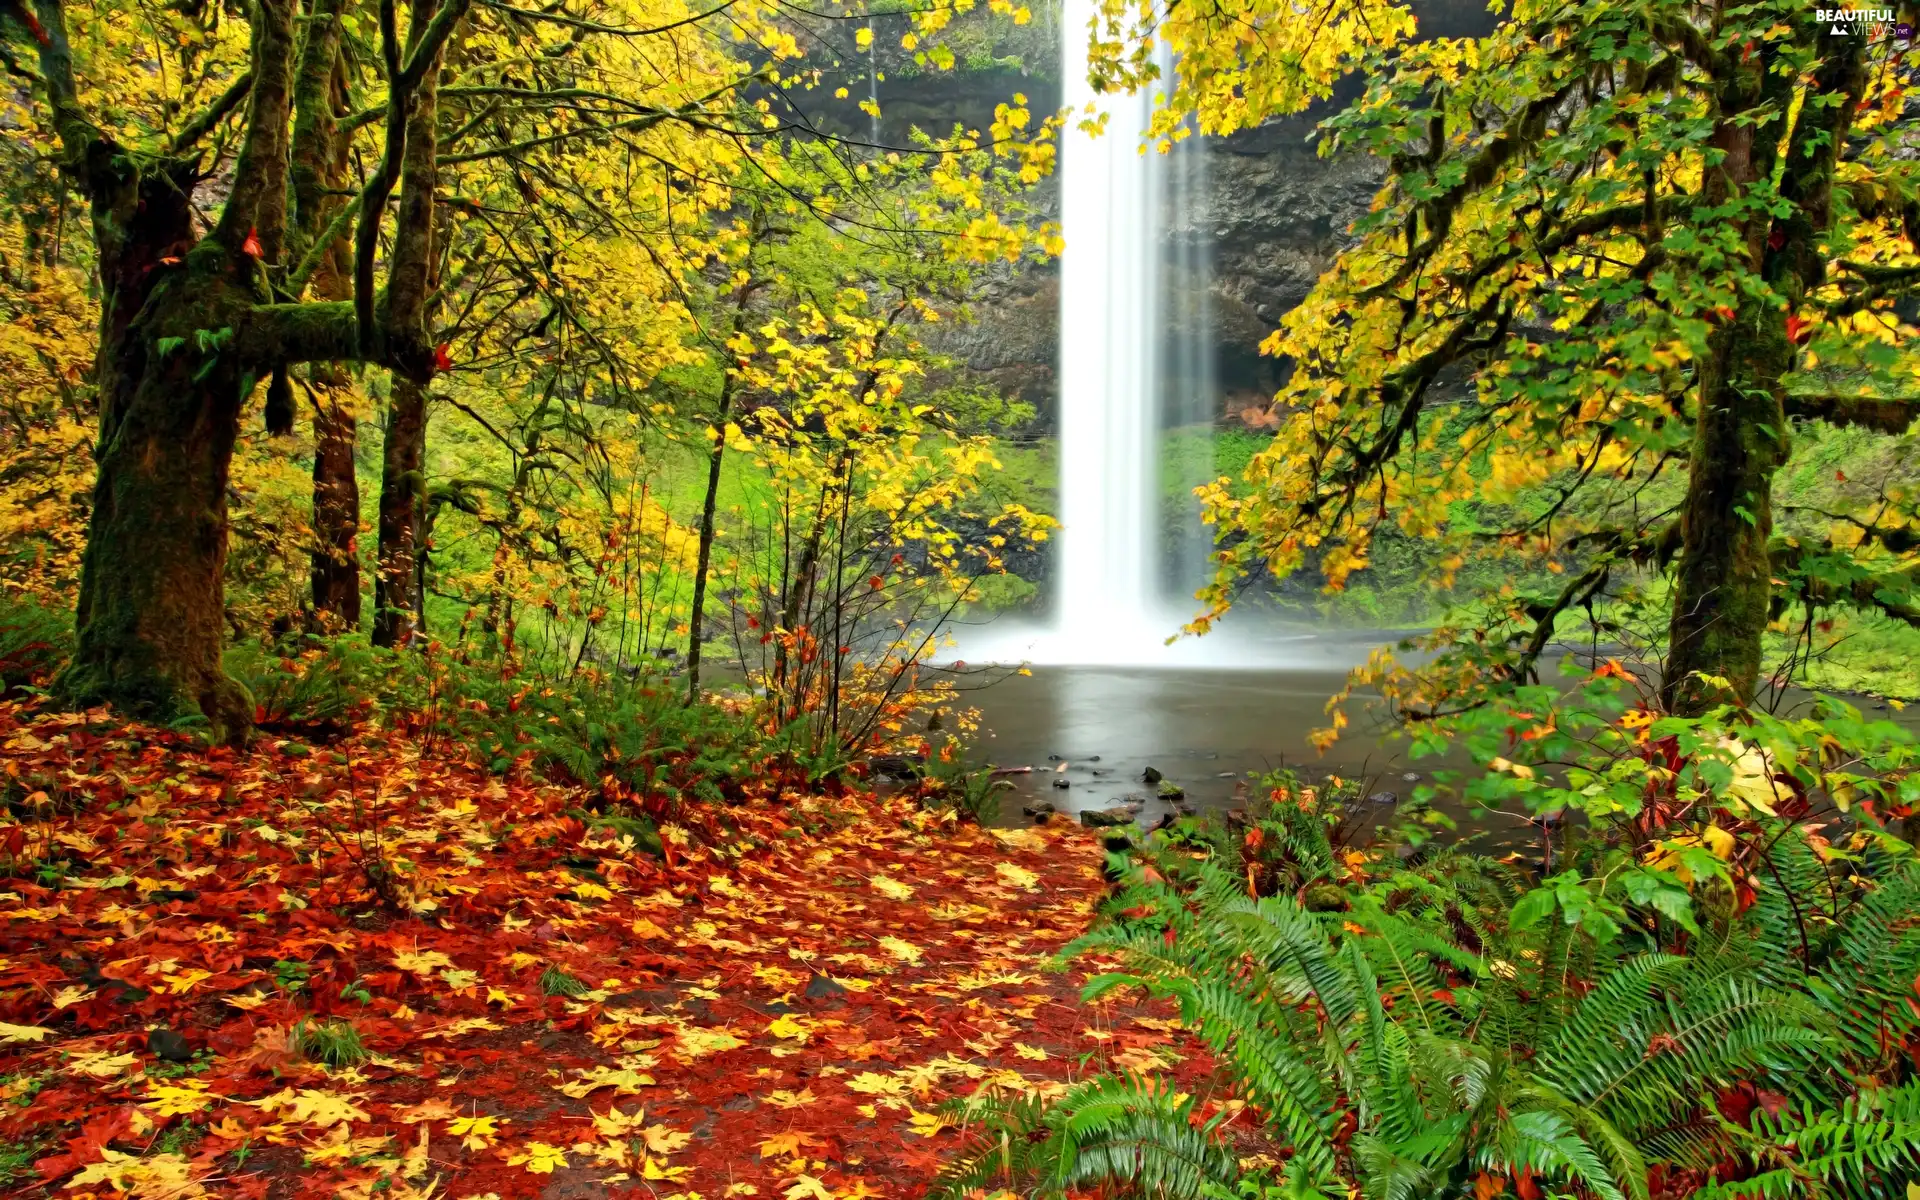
(1457, 1045)
(335, 1043)
(556, 982)
(34, 642)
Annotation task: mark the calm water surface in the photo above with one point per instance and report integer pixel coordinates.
(1208, 729)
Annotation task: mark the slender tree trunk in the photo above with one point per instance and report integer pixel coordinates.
(397, 586)
(318, 180)
(396, 598)
(336, 518)
(710, 504)
(705, 557)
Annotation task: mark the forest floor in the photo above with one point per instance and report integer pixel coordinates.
(776, 1008)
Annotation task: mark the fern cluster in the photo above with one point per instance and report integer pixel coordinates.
(1416, 1045)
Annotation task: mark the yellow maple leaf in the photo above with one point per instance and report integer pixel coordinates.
(149, 1177)
(873, 1083)
(1033, 1052)
(664, 1139)
(431, 1109)
(789, 1026)
(540, 1158)
(642, 927)
(694, 1041)
(312, 1106)
(101, 1065)
(649, 1169)
(1015, 876)
(926, 1125)
(906, 952)
(169, 1100)
(421, 962)
(625, 1081)
(23, 1033)
(475, 1133)
(587, 890)
(892, 889)
(806, 1187)
(339, 1145)
(786, 1099)
(792, 1143)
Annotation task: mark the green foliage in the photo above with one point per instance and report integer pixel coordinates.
(335, 1043)
(34, 640)
(969, 789)
(556, 982)
(1469, 1039)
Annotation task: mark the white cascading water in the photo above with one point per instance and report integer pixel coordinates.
(1110, 334)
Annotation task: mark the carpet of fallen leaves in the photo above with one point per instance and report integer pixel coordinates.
(776, 1009)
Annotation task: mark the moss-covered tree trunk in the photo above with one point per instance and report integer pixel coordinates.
(1724, 586)
(179, 353)
(402, 501)
(397, 600)
(318, 183)
(189, 325)
(335, 570)
(1723, 589)
(151, 609)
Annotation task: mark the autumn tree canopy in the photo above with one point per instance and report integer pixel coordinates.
(1622, 249)
(284, 197)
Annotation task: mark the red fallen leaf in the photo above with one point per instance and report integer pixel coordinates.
(1723, 313)
(1777, 238)
(1840, 476)
(16, 840)
(1168, 935)
(441, 360)
(1488, 1186)
(33, 26)
(1798, 331)
(1443, 995)
(1743, 896)
(875, 582)
(251, 247)
(753, 622)
(1524, 1186)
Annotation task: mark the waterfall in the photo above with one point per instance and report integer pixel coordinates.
(1135, 358)
(1110, 328)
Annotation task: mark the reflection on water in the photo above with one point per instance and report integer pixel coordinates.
(1205, 729)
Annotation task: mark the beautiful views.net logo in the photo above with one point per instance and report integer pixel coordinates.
(1876, 23)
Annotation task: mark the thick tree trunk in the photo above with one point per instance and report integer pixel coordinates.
(1723, 590)
(151, 609)
(336, 519)
(396, 596)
